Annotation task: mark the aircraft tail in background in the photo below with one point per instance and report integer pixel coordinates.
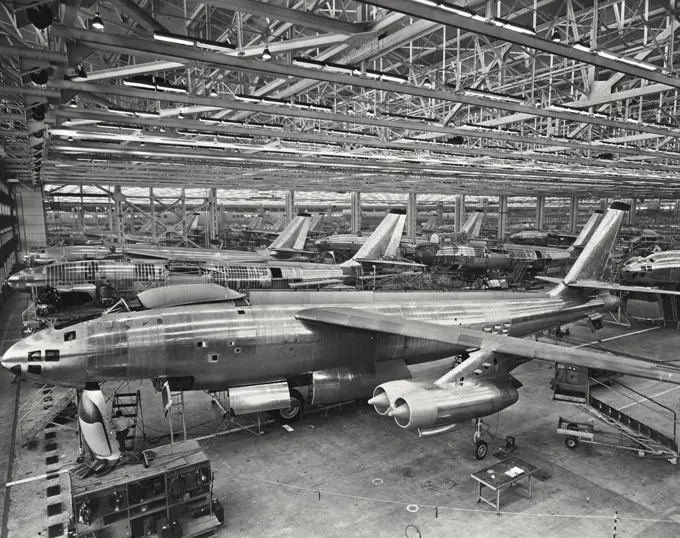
(473, 225)
(294, 236)
(383, 243)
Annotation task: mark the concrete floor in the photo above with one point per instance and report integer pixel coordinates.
(356, 473)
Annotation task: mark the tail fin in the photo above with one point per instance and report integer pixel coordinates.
(430, 225)
(473, 225)
(591, 263)
(256, 223)
(588, 230)
(295, 234)
(317, 222)
(279, 224)
(384, 241)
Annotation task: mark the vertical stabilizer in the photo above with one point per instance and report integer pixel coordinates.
(588, 230)
(317, 222)
(473, 225)
(384, 241)
(280, 224)
(295, 234)
(591, 263)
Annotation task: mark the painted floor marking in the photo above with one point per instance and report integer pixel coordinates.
(615, 337)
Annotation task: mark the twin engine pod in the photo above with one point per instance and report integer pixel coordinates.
(418, 405)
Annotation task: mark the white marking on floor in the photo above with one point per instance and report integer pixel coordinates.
(39, 477)
(287, 428)
(615, 337)
(647, 399)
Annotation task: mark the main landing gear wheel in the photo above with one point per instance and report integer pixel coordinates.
(481, 450)
(294, 412)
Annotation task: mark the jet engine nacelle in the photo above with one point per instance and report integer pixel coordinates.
(355, 382)
(94, 427)
(425, 407)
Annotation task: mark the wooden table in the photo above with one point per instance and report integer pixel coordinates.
(503, 475)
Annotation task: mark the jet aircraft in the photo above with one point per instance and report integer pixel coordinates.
(657, 269)
(284, 349)
(126, 278)
(288, 245)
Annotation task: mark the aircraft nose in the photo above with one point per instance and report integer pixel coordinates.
(16, 281)
(16, 369)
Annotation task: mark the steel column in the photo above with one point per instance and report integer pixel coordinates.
(540, 212)
(213, 222)
(502, 216)
(118, 199)
(573, 215)
(183, 205)
(290, 205)
(152, 206)
(411, 213)
(631, 214)
(460, 211)
(355, 212)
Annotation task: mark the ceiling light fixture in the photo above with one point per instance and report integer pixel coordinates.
(216, 46)
(556, 36)
(173, 38)
(97, 21)
(180, 115)
(266, 54)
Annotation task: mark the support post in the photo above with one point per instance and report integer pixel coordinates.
(183, 205)
(118, 199)
(502, 216)
(152, 208)
(411, 213)
(460, 212)
(290, 205)
(213, 221)
(573, 215)
(631, 214)
(355, 213)
(540, 212)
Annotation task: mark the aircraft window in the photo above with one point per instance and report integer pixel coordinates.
(34, 356)
(34, 369)
(231, 342)
(213, 358)
(51, 355)
(71, 335)
(237, 350)
(241, 312)
(200, 344)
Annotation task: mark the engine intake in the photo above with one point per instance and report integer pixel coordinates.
(450, 404)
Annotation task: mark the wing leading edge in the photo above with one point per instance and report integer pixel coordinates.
(502, 346)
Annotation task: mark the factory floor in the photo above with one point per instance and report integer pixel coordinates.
(351, 472)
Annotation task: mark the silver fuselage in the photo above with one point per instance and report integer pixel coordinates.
(221, 345)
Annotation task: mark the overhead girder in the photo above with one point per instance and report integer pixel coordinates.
(140, 46)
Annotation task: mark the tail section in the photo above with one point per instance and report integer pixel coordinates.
(295, 234)
(256, 223)
(384, 241)
(591, 263)
(588, 230)
(473, 225)
(317, 222)
(279, 224)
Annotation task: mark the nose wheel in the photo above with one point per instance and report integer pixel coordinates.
(481, 446)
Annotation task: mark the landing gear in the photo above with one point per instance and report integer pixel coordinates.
(481, 450)
(294, 412)
(481, 447)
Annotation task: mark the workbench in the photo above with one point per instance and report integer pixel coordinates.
(505, 474)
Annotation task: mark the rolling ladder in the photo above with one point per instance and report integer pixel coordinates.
(130, 405)
(572, 384)
(41, 410)
(518, 272)
(669, 309)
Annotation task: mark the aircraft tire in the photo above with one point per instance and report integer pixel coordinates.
(294, 412)
(481, 449)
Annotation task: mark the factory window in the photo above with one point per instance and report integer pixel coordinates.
(71, 335)
(34, 355)
(35, 369)
(51, 355)
(213, 358)
(201, 344)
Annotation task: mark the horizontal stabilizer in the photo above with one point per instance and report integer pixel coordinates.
(292, 251)
(607, 286)
(312, 283)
